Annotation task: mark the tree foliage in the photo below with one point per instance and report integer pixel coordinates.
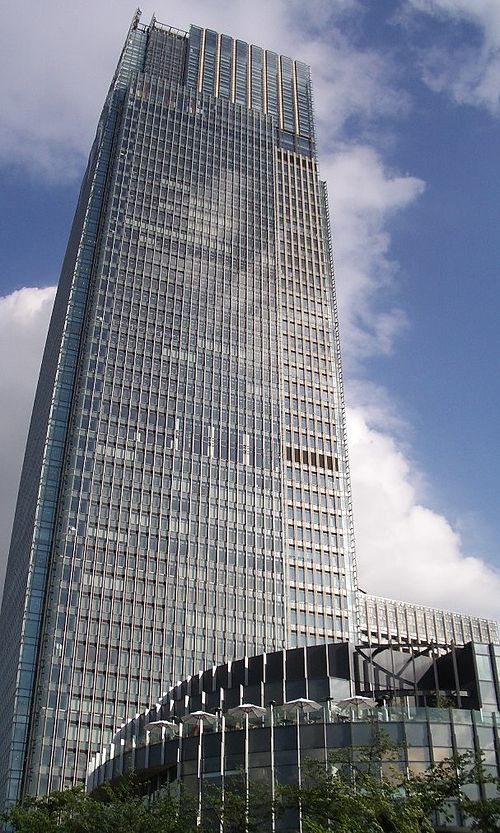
(120, 809)
(240, 808)
(362, 791)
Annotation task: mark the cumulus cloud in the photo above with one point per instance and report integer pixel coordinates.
(48, 116)
(407, 550)
(53, 66)
(364, 197)
(467, 71)
(24, 317)
(350, 83)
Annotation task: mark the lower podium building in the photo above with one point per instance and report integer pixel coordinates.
(388, 621)
(262, 717)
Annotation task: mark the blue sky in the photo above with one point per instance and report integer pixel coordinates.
(407, 97)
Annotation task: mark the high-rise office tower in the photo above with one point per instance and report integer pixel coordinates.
(185, 492)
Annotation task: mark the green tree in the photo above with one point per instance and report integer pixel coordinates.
(444, 783)
(364, 791)
(361, 791)
(483, 815)
(354, 800)
(235, 810)
(120, 809)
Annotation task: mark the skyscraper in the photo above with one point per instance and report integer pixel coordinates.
(185, 492)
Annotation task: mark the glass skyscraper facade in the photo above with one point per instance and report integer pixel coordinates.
(185, 493)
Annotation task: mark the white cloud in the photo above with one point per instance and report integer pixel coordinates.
(24, 317)
(483, 13)
(57, 67)
(364, 197)
(350, 83)
(405, 549)
(53, 65)
(468, 72)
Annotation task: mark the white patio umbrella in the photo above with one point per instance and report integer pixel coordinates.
(247, 709)
(302, 705)
(164, 724)
(357, 702)
(200, 717)
(196, 717)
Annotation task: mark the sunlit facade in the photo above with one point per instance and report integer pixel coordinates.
(185, 493)
(390, 622)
